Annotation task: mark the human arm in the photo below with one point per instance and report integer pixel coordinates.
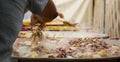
(47, 15)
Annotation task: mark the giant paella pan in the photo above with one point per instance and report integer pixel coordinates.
(68, 49)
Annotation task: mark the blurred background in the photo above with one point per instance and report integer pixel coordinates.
(101, 16)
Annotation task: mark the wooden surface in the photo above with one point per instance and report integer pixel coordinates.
(106, 17)
(98, 16)
(112, 21)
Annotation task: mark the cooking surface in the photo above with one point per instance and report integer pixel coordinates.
(52, 46)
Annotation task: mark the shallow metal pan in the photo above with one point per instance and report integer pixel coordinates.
(107, 59)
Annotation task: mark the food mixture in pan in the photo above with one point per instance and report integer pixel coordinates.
(64, 48)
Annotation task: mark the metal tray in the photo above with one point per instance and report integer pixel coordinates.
(103, 59)
(107, 59)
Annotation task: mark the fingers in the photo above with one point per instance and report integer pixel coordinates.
(36, 20)
(42, 26)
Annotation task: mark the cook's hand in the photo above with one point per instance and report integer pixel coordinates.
(35, 20)
(47, 15)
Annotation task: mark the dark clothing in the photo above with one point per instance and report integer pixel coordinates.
(11, 16)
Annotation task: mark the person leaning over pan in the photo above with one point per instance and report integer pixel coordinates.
(11, 16)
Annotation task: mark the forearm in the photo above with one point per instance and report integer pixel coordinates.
(49, 13)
